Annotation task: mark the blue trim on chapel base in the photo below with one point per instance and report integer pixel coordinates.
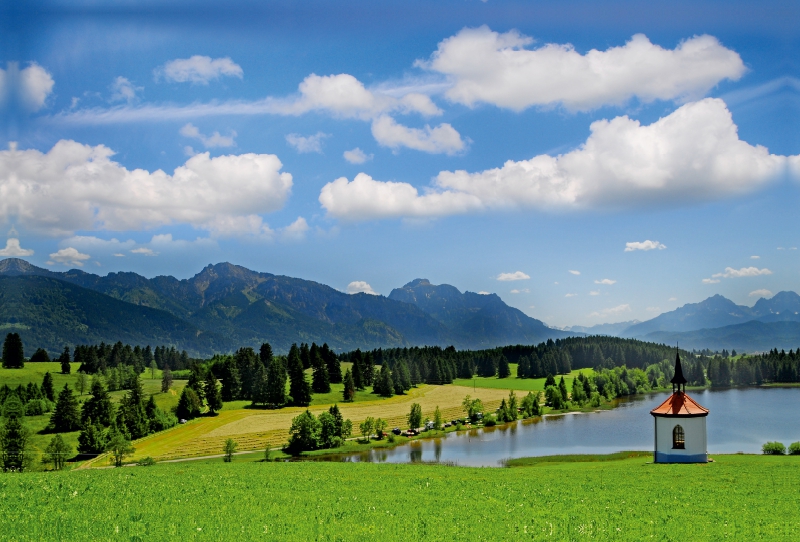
(662, 457)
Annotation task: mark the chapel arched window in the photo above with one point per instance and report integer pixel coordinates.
(678, 438)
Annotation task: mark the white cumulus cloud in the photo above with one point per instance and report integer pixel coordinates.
(761, 293)
(296, 231)
(144, 251)
(710, 281)
(360, 286)
(122, 90)
(30, 86)
(594, 292)
(356, 156)
(13, 249)
(607, 282)
(198, 69)
(441, 139)
(755, 257)
(364, 198)
(79, 187)
(644, 245)
(68, 256)
(490, 67)
(574, 272)
(516, 275)
(692, 155)
(571, 295)
(521, 291)
(209, 142)
(743, 272)
(312, 143)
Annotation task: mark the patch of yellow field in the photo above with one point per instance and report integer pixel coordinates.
(257, 429)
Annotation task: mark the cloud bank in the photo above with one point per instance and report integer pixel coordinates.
(489, 67)
(79, 187)
(692, 155)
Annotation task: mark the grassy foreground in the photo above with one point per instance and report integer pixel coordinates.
(737, 497)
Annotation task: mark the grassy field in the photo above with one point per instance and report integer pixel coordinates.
(514, 383)
(737, 497)
(34, 372)
(256, 429)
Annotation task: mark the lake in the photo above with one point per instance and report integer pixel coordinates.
(740, 420)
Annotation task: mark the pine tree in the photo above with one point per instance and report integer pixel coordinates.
(66, 416)
(231, 384)
(320, 382)
(276, 383)
(47, 387)
(92, 440)
(299, 388)
(332, 364)
(357, 369)
(57, 452)
(13, 355)
(260, 387)
(305, 357)
(384, 385)
(213, 395)
(166, 380)
(562, 387)
(98, 409)
(40, 356)
(131, 410)
(265, 355)
(14, 435)
(64, 361)
(195, 382)
(503, 369)
(246, 361)
(188, 405)
(349, 391)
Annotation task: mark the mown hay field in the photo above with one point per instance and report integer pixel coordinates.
(737, 497)
(257, 429)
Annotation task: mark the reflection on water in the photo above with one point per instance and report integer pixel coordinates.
(740, 419)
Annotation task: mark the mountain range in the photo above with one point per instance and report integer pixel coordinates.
(226, 306)
(718, 323)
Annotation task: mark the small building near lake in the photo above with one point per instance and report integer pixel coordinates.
(680, 425)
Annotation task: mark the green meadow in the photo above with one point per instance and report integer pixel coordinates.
(736, 497)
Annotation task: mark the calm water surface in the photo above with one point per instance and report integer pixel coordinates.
(739, 420)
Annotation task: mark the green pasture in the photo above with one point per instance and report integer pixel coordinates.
(514, 383)
(736, 497)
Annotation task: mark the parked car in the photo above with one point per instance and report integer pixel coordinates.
(428, 426)
(396, 431)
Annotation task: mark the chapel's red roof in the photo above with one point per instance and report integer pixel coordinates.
(679, 404)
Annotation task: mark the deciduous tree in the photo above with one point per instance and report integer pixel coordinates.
(57, 452)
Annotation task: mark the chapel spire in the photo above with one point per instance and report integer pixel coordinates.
(678, 378)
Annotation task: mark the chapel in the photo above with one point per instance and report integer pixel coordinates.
(680, 425)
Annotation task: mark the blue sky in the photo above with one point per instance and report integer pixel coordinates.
(587, 163)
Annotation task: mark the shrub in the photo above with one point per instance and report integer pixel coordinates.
(774, 448)
(146, 462)
(794, 448)
(489, 423)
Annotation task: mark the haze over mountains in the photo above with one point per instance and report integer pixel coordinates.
(718, 323)
(226, 306)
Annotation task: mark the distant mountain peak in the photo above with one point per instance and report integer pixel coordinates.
(418, 282)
